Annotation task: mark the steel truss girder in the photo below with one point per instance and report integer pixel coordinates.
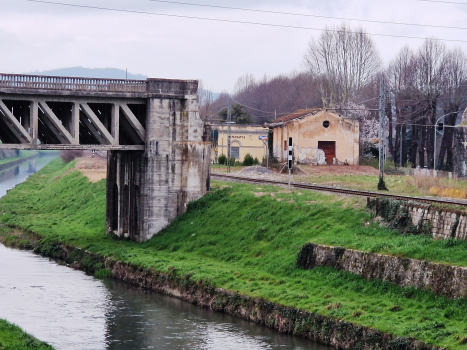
(66, 135)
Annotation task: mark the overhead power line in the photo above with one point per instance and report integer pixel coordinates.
(233, 21)
(306, 15)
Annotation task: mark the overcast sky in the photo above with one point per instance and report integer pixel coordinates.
(40, 36)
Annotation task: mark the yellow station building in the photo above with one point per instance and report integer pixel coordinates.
(245, 139)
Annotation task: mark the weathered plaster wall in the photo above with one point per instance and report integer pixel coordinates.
(447, 280)
(306, 133)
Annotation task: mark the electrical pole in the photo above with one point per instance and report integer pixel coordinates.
(381, 184)
(229, 134)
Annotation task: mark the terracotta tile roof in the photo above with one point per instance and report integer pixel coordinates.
(295, 115)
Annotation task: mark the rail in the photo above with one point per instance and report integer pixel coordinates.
(341, 190)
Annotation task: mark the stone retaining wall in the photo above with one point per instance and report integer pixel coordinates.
(421, 218)
(447, 280)
(445, 223)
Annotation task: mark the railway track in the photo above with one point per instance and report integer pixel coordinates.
(338, 190)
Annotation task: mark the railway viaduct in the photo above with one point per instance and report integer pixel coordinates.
(158, 148)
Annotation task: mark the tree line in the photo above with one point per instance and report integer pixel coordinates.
(342, 70)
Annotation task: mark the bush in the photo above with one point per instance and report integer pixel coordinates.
(256, 161)
(222, 159)
(69, 155)
(232, 160)
(248, 160)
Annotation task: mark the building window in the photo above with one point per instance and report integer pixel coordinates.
(285, 145)
(326, 124)
(235, 152)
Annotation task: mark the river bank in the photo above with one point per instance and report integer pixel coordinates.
(235, 250)
(6, 163)
(13, 338)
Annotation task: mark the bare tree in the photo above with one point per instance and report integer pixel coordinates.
(416, 82)
(343, 61)
(431, 64)
(400, 77)
(205, 101)
(453, 100)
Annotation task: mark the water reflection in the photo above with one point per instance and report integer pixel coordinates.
(10, 177)
(54, 303)
(9, 173)
(71, 310)
(140, 319)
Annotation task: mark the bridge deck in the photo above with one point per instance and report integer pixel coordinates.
(43, 112)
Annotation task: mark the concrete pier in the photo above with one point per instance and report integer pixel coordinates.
(158, 147)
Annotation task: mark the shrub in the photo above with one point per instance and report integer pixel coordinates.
(69, 155)
(222, 159)
(248, 160)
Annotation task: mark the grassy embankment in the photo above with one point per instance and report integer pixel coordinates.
(245, 238)
(13, 338)
(23, 154)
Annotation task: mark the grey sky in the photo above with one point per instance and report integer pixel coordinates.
(38, 36)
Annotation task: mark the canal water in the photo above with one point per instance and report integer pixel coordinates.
(71, 310)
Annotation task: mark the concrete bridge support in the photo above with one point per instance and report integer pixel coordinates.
(158, 147)
(147, 190)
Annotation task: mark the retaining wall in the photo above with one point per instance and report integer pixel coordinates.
(447, 280)
(421, 218)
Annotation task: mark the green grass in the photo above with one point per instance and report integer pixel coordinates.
(396, 184)
(23, 154)
(13, 338)
(245, 238)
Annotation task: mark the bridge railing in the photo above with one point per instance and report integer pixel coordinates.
(39, 82)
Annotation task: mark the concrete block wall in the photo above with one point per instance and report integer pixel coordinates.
(440, 222)
(447, 280)
(445, 223)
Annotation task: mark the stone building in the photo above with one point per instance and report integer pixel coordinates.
(319, 137)
(245, 139)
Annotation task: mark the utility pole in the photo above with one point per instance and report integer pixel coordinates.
(381, 184)
(229, 133)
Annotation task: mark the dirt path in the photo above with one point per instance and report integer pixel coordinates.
(94, 168)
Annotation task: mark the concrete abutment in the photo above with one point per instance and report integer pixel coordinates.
(147, 190)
